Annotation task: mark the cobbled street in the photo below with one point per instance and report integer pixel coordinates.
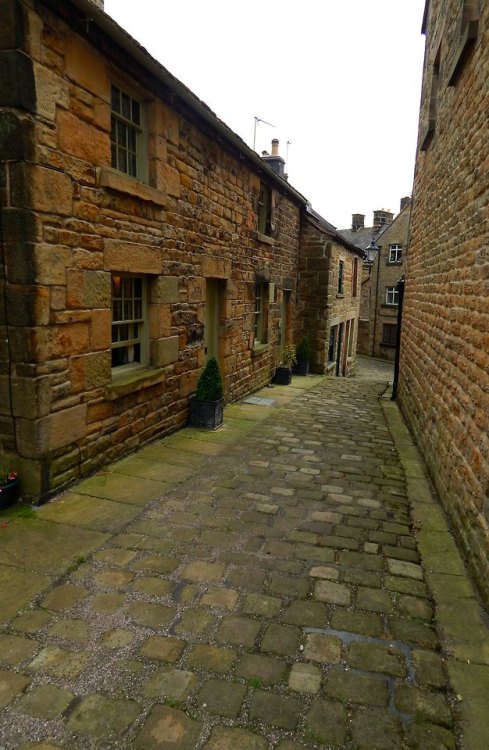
(270, 585)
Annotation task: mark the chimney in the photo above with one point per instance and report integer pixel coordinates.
(357, 222)
(274, 160)
(405, 201)
(382, 218)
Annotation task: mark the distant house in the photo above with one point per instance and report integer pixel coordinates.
(444, 367)
(140, 237)
(379, 303)
(329, 269)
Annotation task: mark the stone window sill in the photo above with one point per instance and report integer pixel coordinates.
(260, 349)
(120, 182)
(427, 134)
(462, 52)
(390, 307)
(340, 295)
(131, 381)
(265, 238)
(387, 345)
(394, 263)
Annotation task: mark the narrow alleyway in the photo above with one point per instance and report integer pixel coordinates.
(260, 587)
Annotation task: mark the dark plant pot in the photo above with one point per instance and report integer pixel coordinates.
(283, 376)
(206, 414)
(9, 493)
(301, 367)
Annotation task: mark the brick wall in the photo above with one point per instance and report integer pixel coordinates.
(444, 371)
(71, 222)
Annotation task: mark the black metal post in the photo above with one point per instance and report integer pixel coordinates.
(400, 289)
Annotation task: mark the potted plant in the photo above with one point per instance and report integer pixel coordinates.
(283, 373)
(304, 351)
(9, 488)
(207, 406)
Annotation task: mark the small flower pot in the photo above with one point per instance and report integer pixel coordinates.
(8, 493)
(283, 376)
(206, 414)
(301, 367)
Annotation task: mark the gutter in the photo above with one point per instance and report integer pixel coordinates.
(141, 55)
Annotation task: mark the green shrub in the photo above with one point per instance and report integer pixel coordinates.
(288, 358)
(209, 386)
(304, 350)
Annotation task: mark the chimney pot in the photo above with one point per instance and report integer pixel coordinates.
(405, 201)
(357, 221)
(275, 147)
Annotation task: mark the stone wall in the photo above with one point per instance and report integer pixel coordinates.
(444, 369)
(320, 254)
(385, 274)
(71, 222)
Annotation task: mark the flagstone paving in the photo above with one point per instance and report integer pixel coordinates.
(286, 582)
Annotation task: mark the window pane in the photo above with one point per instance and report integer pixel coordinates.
(116, 310)
(138, 287)
(138, 309)
(128, 310)
(126, 106)
(116, 99)
(127, 287)
(136, 115)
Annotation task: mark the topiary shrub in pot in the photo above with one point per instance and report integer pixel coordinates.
(283, 373)
(207, 406)
(304, 351)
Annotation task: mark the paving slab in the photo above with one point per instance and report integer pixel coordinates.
(288, 581)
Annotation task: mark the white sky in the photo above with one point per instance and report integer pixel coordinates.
(339, 79)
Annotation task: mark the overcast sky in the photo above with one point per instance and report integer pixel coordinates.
(340, 80)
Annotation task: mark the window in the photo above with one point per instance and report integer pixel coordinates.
(354, 281)
(128, 313)
(333, 332)
(467, 35)
(126, 133)
(351, 337)
(261, 309)
(341, 276)
(395, 253)
(265, 210)
(389, 334)
(429, 120)
(391, 295)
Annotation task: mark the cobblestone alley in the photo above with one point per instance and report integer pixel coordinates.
(286, 582)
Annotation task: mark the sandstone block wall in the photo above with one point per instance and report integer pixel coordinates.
(444, 369)
(386, 274)
(319, 304)
(70, 221)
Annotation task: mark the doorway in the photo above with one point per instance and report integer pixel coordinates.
(214, 300)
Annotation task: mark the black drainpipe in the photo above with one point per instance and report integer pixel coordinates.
(400, 289)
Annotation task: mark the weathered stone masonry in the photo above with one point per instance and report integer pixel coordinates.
(70, 221)
(444, 374)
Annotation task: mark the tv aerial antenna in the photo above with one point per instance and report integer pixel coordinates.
(257, 120)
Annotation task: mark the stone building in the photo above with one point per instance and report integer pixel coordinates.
(444, 367)
(379, 287)
(140, 236)
(329, 269)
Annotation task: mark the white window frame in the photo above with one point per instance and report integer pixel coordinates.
(260, 313)
(391, 296)
(395, 253)
(130, 122)
(129, 323)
